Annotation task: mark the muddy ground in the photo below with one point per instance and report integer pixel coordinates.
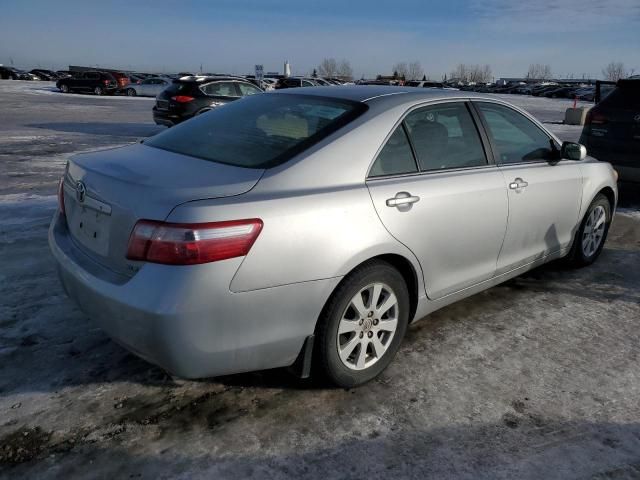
(536, 378)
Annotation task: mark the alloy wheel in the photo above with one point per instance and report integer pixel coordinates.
(367, 326)
(593, 232)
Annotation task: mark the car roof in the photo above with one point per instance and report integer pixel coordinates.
(211, 78)
(368, 93)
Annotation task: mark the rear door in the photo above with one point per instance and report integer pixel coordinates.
(436, 192)
(145, 88)
(544, 193)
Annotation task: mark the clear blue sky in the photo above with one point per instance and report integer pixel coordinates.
(573, 36)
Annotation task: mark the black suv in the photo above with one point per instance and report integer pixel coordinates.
(612, 129)
(190, 96)
(99, 83)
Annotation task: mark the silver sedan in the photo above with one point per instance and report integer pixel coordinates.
(309, 229)
(149, 87)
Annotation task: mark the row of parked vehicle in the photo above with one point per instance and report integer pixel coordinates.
(12, 73)
(544, 89)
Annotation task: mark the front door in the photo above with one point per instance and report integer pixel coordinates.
(544, 191)
(435, 192)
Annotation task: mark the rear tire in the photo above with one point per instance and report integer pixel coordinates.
(131, 92)
(98, 91)
(590, 237)
(362, 325)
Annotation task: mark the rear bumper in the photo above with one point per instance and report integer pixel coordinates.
(166, 118)
(185, 319)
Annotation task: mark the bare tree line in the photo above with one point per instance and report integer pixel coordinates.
(472, 73)
(538, 71)
(330, 67)
(408, 71)
(466, 73)
(614, 71)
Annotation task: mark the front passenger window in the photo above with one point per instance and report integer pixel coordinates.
(516, 138)
(396, 156)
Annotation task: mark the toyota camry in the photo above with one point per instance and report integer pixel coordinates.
(309, 229)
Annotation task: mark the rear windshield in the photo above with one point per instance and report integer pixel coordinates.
(625, 95)
(259, 131)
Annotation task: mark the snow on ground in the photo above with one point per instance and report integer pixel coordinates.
(536, 378)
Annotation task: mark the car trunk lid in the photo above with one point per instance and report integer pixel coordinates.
(107, 192)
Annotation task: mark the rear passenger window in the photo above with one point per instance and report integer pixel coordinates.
(445, 136)
(516, 138)
(220, 89)
(247, 89)
(395, 157)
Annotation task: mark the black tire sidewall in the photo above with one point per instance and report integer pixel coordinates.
(327, 354)
(131, 92)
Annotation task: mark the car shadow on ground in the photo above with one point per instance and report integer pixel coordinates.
(522, 443)
(117, 129)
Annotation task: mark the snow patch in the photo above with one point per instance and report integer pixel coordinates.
(629, 212)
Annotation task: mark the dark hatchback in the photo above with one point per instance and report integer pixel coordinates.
(190, 96)
(612, 130)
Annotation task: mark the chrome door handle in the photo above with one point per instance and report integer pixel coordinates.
(402, 198)
(517, 184)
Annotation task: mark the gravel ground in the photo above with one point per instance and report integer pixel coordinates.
(536, 378)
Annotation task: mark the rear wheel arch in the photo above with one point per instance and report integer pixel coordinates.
(403, 266)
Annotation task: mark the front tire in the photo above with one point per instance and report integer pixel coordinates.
(98, 91)
(590, 237)
(64, 88)
(131, 92)
(362, 325)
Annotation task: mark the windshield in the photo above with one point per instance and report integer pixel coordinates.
(259, 131)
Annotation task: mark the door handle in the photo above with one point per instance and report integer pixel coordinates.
(518, 184)
(402, 198)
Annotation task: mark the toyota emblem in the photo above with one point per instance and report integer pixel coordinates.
(81, 190)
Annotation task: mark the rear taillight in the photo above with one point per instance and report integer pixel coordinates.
(182, 98)
(596, 118)
(61, 196)
(190, 244)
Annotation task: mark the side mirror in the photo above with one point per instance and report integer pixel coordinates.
(573, 151)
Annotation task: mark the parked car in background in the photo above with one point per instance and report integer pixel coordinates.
(149, 87)
(294, 82)
(562, 92)
(190, 96)
(9, 73)
(121, 78)
(612, 129)
(63, 73)
(43, 74)
(99, 83)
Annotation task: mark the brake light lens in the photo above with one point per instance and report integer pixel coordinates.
(191, 244)
(182, 98)
(596, 118)
(61, 196)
